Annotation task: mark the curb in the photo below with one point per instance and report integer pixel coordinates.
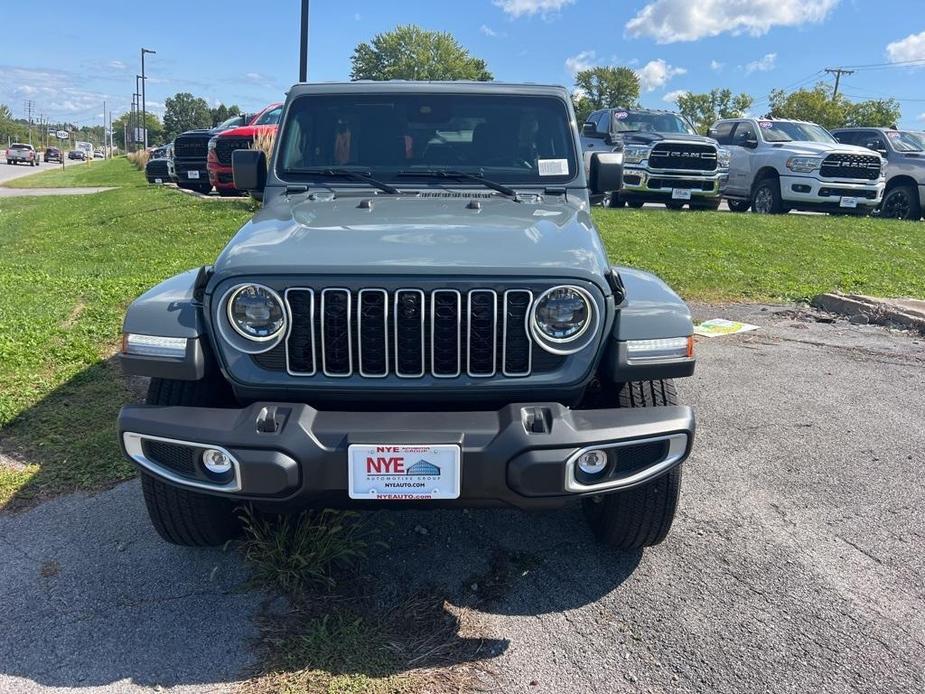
(908, 314)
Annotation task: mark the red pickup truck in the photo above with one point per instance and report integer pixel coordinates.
(222, 145)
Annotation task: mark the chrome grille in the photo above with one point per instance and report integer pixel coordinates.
(683, 156)
(408, 332)
(858, 166)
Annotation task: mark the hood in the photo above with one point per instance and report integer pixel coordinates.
(406, 235)
(650, 138)
(822, 148)
(247, 130)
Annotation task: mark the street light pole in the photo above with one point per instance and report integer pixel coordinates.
(144, 109)
(137, 107)
(303, 47)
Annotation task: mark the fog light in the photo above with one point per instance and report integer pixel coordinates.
(592, 462)
(216, 462)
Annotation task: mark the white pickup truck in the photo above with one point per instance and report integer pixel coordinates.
(783, 165)
(19, 153)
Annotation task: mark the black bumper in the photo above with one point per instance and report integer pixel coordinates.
(520, 455)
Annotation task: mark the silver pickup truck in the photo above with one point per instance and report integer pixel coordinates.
(20, 153)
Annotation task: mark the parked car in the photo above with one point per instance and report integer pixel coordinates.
(99, 154)
(422, 312)
(783, 165)
(242, 137)
(190, 151)
(664, 159)
(52, 154)
(156, 170)
(21, 153)
(904, 153)
(77, 154)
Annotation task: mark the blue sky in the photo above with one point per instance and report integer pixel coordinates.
(247, 52)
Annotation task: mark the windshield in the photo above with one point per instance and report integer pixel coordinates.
(523, 139)
(905, 142)
(18, 146)
(650, 122)
(271, 117)
(791, 131)
(232, 122)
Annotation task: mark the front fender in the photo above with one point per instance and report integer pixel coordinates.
(651, 310)
(169, 309)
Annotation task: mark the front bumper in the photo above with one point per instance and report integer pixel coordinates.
(221, 176)
(812, 192)
(182, 169)
(521, 455)
(640, 183)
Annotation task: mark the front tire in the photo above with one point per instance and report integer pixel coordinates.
(641, 516)
(675, 205)
(635, 204)
(766, 197)
(738, 205)
(901, 202)
(181, 516)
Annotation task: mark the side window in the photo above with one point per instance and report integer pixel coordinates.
(593, 118)
(872, 140)
(722, 133)
(603, 125)
(743, 133)
(849, 137)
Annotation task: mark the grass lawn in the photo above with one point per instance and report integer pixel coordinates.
(725, 256)
(71, 265)
(75, 174)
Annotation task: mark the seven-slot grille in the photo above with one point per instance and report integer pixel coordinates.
(862, 166)
(224, 146)
(408, 333)
(195, 147)
(684, 156)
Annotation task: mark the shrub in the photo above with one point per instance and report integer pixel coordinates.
(139, 158)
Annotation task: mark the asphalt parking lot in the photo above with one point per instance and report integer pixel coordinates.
(795, 565)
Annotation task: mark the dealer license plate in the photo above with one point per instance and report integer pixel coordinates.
(680, 194)
(192, 174)
(848, 202)
(158, 180)
(400, 472)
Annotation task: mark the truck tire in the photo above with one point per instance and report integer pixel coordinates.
(706, 206)
(641, 516)
(635, 204)
(766, 197)
(675, 205)
(181, 516)
(738, 205)
(901, 202)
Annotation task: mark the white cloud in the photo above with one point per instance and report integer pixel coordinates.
(763, 64)
(583, 61)
(668, 21)
(488, 31)
(528, 8)
(922, 117)
(357, 16)
(656, 73)
(672, 97)
(53, 91)
(117, 64)
(910, 48)
(716, 65)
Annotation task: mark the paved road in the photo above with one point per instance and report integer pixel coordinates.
(44, 192)
(10, 171)
(796, 564)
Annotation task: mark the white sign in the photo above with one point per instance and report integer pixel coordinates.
(398, 472)
(680, 194)
(848, 202)
(193, 175)
(63, 135)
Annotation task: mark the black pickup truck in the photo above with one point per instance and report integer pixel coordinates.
(190, 151)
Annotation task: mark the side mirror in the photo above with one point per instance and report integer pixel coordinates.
(249, 169)
(750, 142)
(590, 130)
(883, 152)
(606, 172)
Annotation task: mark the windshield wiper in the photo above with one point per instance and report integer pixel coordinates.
(462, 176)
(353, 175)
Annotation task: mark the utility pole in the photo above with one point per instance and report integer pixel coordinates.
(144, 108)
(303, 44)
(29, 106)
(137, 109)
(838, 72)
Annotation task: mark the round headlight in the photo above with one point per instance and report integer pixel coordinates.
(256, 312)
(562, 314)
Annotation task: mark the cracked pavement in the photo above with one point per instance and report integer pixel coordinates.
(796, 563)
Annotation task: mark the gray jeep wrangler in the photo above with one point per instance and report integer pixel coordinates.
(422, 314)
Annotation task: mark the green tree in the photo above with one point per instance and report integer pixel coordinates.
(183, 112)
(815, 105)
(155, 130)
(409, 52)
(605, 87)
(705, 109)
(874, 113)
(221, 113)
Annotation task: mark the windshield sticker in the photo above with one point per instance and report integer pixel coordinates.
(553, 167)
(894, 135)
(621, 115)
(766, 124)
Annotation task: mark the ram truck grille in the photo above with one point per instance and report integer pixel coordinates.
(683, 156)
(408, 333)
(857, 166)
(224, 146)
(191, 147)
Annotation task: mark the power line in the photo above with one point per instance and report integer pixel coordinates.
(898, 63)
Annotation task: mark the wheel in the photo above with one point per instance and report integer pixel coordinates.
(901, 202)
(674, 205)
(635, 204)
(204, 188)
(739, 205)
(614, 201)
(181, 516)
(706, 206)
(229, 193)
(766, 197)
(641, 516)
